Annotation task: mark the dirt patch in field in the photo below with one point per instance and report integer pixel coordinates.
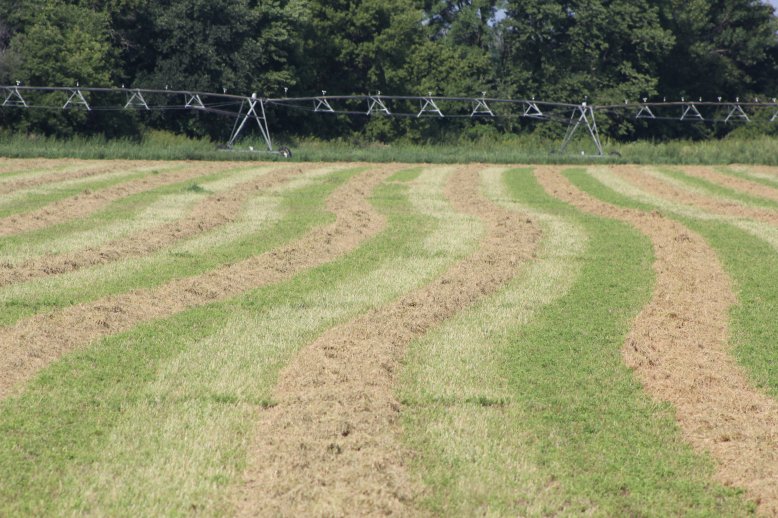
(331, 446)
(716, 206)
(33, 343)
(90, 201)
(678, 347)
(212, 212)
(85, 171)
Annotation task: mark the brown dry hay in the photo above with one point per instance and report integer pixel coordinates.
(88, 201)
(21, 165)
(33, 343)
(732, 182)
(762, 169)
(331, 446)
(667, 191)
(84, 171)
(678, 347)
(214, 211)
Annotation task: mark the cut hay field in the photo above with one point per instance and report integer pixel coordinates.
(328, 339)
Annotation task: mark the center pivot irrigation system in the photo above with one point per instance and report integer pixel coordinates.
(243, 109)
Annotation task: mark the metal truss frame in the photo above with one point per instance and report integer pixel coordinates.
(585, 116)
(254, 107)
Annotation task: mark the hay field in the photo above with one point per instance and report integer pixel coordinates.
(222, 339)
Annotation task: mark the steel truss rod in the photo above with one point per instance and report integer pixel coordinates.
(14, 98)
(480, 107)
(76, 98)
(691, 112)
(737, 111)
(585, 116)
(253, 102)
(532, 110)
(321, 104)
(194, 101)
(375, 103)
(645, 111)
(429, 106)
(136, 100)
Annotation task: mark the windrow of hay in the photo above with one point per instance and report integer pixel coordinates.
(264, 208)
(212, 212)
(331, 445)
(168, 203)
(180, 462)
(769, 173)
(474, 446)
(763, 231)
(19, 166)
(684, 194)
(88, 202)
(19, 201)
(33, 343)
(67, 173)
(732, 182)
(679, 349)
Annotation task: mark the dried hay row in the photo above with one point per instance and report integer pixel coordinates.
(331, 445)
(761, 230)
(214, 211)
(742, 185)
(33, 343)
(679, 349)
(64, 175)
(89, 202)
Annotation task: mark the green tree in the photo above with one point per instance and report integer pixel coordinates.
(722, 48)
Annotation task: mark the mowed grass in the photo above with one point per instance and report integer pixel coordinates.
(522, 406)
(518, 406)
(121, 217)
(748, 253)
(155, 421)
(278, 217)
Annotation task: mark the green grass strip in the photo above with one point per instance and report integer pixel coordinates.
(753, 176)
(121, 217)
(97, 227)
(753, 265)
(301, 210)
(35, 198)
(714, 189)
(155, 421)
(557, 424)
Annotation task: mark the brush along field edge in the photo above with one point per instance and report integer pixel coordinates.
(679, 349)
(85, 203)
(331, 445)
(211, 212)
(457, 367)
(31, 344)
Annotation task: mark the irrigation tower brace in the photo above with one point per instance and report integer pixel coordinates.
(586, 116)
(76, 97)
(14, 98)
(261, 121)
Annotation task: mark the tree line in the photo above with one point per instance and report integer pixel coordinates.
(561, 50)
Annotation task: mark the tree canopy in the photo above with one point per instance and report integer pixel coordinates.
(562, 50)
